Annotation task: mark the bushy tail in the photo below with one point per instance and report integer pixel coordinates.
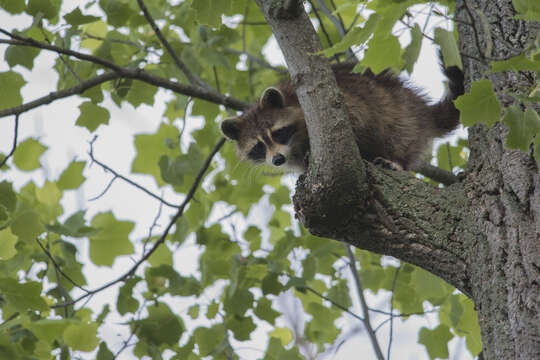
(445, 114)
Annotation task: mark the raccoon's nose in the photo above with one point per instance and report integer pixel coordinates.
(278, 159)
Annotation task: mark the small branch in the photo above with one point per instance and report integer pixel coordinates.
(14, 146)
(104, 190)
(341, 307)
(323, 28)
(163, 236)
(193, 79)
(55, 95)
(257, 60)
(363, 303)
(204, 93)
(57, 267)
(444, 177)
(131, 182)
(394, 281)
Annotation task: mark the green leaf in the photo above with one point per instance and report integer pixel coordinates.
(95, 29)
(82, 337)
(150, 148)
(48, 9)
(530, 9)
(162, 256)
(126, 303)
(75, 226)
(76, 18)
(212, 310)
(8, 199)
(177, 285)
(141, 93)
(479, 105)
(209, 11)
(72, 177)
(384, 52)
(7, 244)
(111, 241)
(27, 154)
(253, 236)
(523, 127)
(449, 47)
(239, 302)
(21, 55)
(12, 83)
(13, 6)
(271, 285)
(340, 293)
(118, 11)
(51, 329)
(241, 327)
(449, 156)
(285, 335)
(265, 312)
(208, 339)
(22, 297)
(27, 226)
(410, 55)
(92, 116)
(516, 63)
(357, 36)
(193, 311)
(436, 341)
(104, 353)
(161, 326)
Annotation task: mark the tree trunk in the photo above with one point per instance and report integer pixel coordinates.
(481, 235)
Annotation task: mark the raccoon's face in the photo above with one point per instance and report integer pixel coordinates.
(272, 132)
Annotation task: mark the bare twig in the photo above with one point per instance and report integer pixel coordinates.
(57, 267)
(334, 303)
(321, 24)
(203, 93)
(14, 146)
(394, 281)
(104, 190)
(363, 304)
(192, 78)
(257, 60)
(163, 236)
(131, 182)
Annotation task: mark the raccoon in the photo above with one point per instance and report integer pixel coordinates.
(391, 121)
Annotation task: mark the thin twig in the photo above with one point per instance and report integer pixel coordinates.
(163, 236)
(192, 78)
(131, 182)
(257, 60)
(57, 267)
(363, 304)
(104, 190)
(334, 303)
(321, 24)
(394, 282)
(14, 146)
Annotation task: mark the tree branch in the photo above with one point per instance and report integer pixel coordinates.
(15, 139)
(163, 236)
(192, 78)
(130, 73)
(363, 304)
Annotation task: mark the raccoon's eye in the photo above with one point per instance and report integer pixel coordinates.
(283, 135)
(258, 152)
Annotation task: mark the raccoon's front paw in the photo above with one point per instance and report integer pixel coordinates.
(387, 164)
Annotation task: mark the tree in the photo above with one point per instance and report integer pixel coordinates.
(480, 233)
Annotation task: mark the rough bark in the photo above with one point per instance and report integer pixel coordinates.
(481, 235)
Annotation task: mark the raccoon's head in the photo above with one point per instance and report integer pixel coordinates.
(272, 132)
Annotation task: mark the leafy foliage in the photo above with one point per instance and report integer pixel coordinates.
(243, 260)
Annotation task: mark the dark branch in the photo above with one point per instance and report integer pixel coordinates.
(15, 137)
(163, 236)
(131, 182)
(192, 78)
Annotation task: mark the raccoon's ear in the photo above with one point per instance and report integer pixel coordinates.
(272, 97)
(230, 128)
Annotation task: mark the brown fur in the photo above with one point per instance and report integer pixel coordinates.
(389, 119)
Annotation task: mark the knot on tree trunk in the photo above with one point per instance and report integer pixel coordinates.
(329, 206)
